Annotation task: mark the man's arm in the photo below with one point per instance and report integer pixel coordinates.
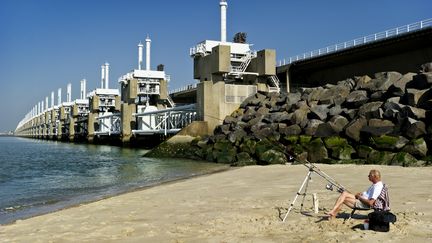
(364, 200)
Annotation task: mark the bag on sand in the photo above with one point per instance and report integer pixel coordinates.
(380, 220)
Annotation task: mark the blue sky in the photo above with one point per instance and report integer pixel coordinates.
(45, 44)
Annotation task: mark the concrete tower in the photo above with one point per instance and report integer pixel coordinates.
(223, 9)
(140, 55)
(102, 76)
(59, 96)
(69, 93)
(83, 89)
(148, 43)
(106, 75)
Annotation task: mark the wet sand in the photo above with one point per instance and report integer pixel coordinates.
(239, 205)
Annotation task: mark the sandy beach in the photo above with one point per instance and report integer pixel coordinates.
(239, 205)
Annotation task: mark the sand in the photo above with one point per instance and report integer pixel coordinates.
(239, 205)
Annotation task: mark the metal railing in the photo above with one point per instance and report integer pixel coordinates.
(184, 88)
(168, 121)
(359, 41)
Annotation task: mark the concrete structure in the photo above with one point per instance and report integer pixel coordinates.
(142, 91)
(228, 73)
(104, 110)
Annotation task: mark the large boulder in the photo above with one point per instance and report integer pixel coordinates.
(316, 150)
(403, 159)
(388, 142)
(352, 130)
(371, 110)
(416, 147)
(381, 82)
(325, 130)
(338, 123)
(413, 128)
(318, 112)
(356, 99)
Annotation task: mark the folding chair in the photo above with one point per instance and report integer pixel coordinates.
(381, 204)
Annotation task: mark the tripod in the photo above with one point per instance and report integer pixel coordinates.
(312, 168)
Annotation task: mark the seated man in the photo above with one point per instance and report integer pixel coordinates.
(363, 200)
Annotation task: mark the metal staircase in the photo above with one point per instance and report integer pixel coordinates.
(275, 81)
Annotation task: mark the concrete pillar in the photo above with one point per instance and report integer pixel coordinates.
(127, 123)
(91, 126)
(72, 129)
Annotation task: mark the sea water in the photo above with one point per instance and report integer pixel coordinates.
(38, 176)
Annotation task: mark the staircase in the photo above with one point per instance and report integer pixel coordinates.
(275, 81)
(170, 101)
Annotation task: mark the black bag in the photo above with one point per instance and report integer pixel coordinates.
(380, 220)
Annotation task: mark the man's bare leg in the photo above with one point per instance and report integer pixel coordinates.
(345, 198)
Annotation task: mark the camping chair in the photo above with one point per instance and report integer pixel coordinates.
(381, 204)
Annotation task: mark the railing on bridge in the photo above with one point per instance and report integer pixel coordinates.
(168, 121)
(359, 41)
(109, 124)
(184, 88)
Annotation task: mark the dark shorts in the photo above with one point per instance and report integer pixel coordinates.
(361, 205)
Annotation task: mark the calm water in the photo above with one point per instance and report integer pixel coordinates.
(41, 176)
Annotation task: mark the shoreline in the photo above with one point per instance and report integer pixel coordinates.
(94, 197)
(237, 204)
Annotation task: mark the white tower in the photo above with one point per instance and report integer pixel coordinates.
(46, 103)
(52, 99)
(140, 55)
(223, 8)
(69, 93)
(83, 89)
(106, 75)
(38, 108)
(102, 76)
(148, 42)
(42, 106)
(59, 96)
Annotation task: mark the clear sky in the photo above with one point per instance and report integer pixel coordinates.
(45, 44)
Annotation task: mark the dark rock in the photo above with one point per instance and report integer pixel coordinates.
(300, 116)
(273, 157)
(236, 136)
(367, 131)
(248, 146)
(262, 111)
(363, 151)
(421, 81)
(413, 112)
(335, 110)
(425, 100)
(350, 114)
(334, 95)
(382, 81)
(371, 110)
(263, 133)
(224, 152)
(416, 147)
(380, 157)
(353, 129)
(244, 159)
(230, 120)
(413, 128)
(387, 142)
(312, 126)
(318, 112)
(223, 129)
(325, 130)
(378, 95)
(291, 130)
(335, 141)
(338, 123)
(292, 98)
(343, 152)
(356, 99)
(253, 100)
(316, 150)
(403, 159)
(426, 67)
(362, 81)
(412, 96)
(380, 123)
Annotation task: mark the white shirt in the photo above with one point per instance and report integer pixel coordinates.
(373, 191)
